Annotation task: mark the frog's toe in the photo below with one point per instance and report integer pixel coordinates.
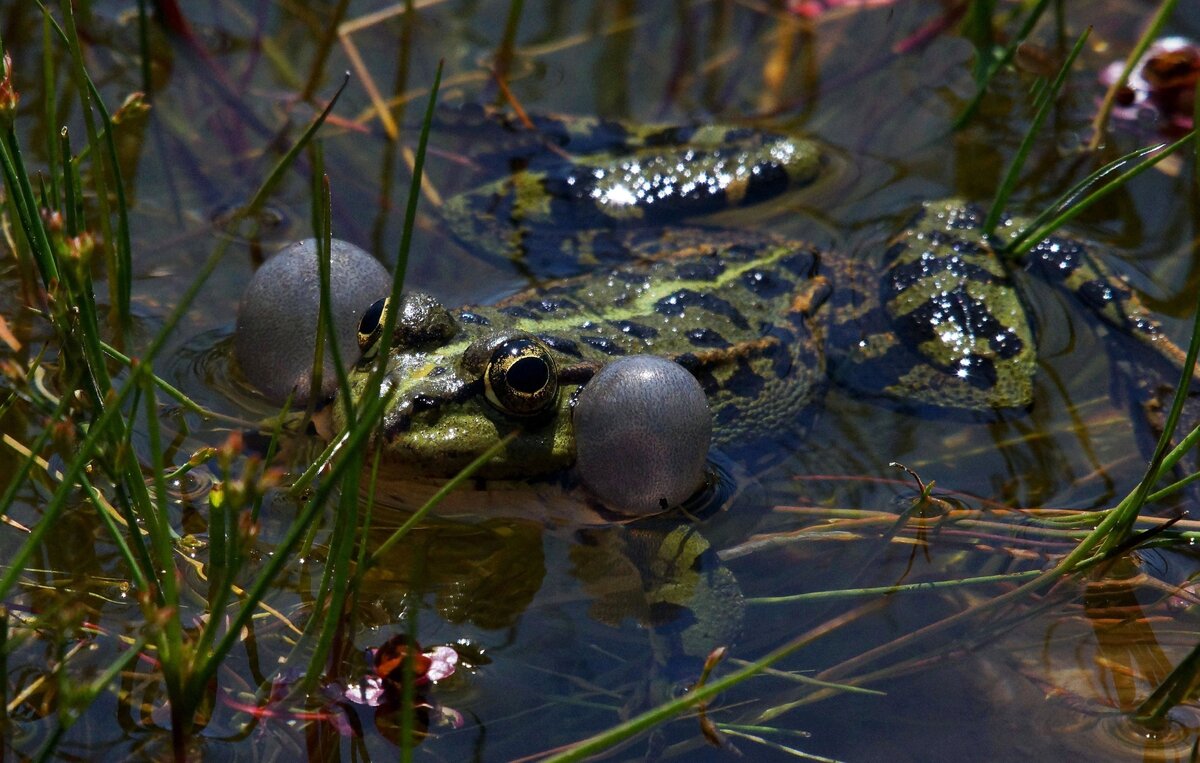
(277, 317)
(642, 432)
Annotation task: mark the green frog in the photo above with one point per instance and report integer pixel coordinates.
(761, 322)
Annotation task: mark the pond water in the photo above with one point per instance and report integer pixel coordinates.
(551, 620)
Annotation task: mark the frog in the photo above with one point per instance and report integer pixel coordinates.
(763, 323)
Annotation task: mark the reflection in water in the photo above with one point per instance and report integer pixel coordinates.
(485, 574)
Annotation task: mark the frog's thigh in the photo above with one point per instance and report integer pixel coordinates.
(875, 353)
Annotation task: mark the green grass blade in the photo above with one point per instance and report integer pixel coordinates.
(1005, 57)
(1030, 236)
(50, 109)
(668, 710)
(410, 217)
(1075, 192)
(978, 28)
(118, 265)
(1178, 687)
(356, 438)
(16, 178)
(276, 175)
(1045, 101)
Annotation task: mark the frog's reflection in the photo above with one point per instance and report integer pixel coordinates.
(660, 573)
(483, 573)
(663, 575)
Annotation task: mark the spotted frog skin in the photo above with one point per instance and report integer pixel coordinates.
(762, 322)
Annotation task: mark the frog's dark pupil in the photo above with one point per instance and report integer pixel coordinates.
(370, 319)
(528, 375)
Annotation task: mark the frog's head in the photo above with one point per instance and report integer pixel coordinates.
(461, 383)
(639, 433)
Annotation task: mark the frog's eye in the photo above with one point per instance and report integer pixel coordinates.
(520, 378)
(371, 327)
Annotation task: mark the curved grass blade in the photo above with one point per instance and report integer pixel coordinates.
(1031, 235)
(1072, 195)
(1045, 100)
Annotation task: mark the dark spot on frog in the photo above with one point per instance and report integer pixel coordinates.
(677, 303)
(706, 337)
(768, 180)
(802, 264)
(704, 269)
(969, 217)
(781, 353)
(474, 318)
(740, 253)
(607, 135)
(766, 284)
(607, 346)
(637, 330)
(519, 311)
(968, 315)
(726, 415)
(697, 368)
(561, 344)
(744, 381)
(670, 136)
(1100, 294)
(423, 403)
(960, 245)
(980, 371)
(849, 296)
(1056, 258)
(554, 305)
(663, 613)
(909, 274)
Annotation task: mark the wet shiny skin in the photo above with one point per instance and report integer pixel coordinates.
(761, 322)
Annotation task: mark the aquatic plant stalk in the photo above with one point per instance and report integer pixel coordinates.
(1042, 105)
(1010, 50)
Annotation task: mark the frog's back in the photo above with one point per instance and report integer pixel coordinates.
(738, 311)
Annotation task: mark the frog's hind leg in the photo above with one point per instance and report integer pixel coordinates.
(1073, 266)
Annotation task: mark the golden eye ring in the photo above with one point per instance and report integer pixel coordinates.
(370, 328)
(521, 378)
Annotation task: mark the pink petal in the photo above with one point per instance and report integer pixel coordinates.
(444, 659)
(368, 691)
